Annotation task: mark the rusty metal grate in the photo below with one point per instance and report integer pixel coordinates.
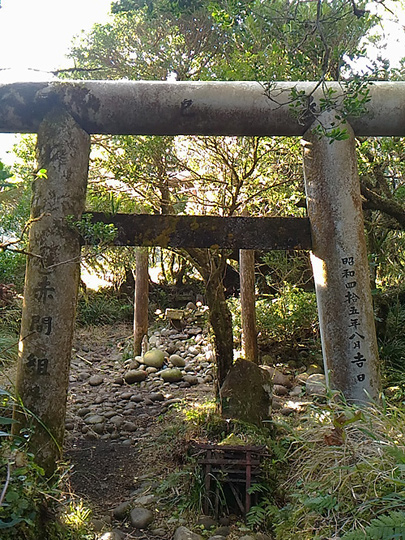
(231, 469)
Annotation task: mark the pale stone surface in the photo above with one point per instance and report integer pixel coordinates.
(316, 385)
(224, 108)
(51, 283)
(154, 358)
(141, 517)
(171, 375)
(340, 263)
(277, 377)
(182, 533)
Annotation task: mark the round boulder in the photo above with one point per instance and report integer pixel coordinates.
(141, 517)
(177, 361)
(154, 358)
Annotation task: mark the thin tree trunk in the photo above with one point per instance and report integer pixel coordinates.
(141, 299)
(248, 304)
(212, 269)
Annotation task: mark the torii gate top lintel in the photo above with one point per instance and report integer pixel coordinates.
(189, 108)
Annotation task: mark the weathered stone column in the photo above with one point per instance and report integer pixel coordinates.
(51, 284)
(340, 265)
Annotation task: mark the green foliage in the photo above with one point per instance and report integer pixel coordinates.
(345, 467)
(8, 348)
(392, 344)
(350, 102)
(103, 307)
(183, 489)
(10, 317)
(93, 233)
(27, 498)
(291, 316)
(386, 527)
(12, 269)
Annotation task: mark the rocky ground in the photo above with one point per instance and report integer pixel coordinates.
(119, 406)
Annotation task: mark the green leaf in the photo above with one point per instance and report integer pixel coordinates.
(6, 421)
(9, 524)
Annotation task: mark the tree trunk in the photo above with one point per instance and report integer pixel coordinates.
(212, 269)
(141, 299)
(51, 286)
(248, 304)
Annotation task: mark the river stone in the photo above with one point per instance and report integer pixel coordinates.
(280, 390)
(316, 385)
(94, 419)
(171, 375)
(223, 531)
(117, 420)
(314, 368)
(141, 517)
(276, 403)
(128, 426)
(156, 396)
(96, 380)
(154, 358)
(278, 377)
(207, 522)
(246, 379)
(191, 379)
(120, 512)
(144, 500)
(135, 375)
(98, 428)
(302, 378)
(171, 348)
(151, 370)
(83, 411)
(177, 361)
(296, 391)
(182, 533)
(115, 534)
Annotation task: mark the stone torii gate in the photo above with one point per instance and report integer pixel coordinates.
(64, 114)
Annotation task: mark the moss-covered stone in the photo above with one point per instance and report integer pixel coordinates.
(172, 375)
(246, 393)
(154, 358)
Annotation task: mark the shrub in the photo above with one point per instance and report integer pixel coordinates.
(290, 316)
(345, 467)
(103, 307)
(29, 502)
(12, 269)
